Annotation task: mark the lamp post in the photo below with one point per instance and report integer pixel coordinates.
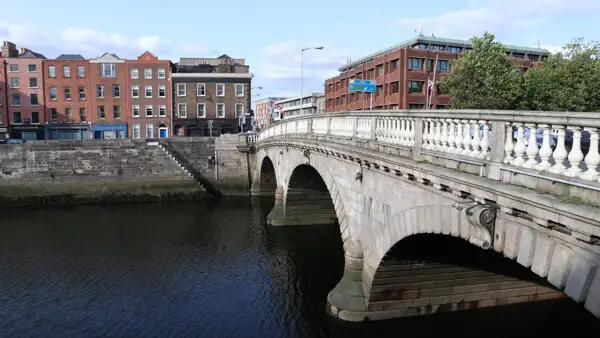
(302, 74)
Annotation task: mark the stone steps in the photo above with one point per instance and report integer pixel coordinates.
(421, 274)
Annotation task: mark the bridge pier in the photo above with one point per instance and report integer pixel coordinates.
(347, 300)
(277, 214)
(302, 207)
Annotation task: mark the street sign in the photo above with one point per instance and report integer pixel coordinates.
(364, 86)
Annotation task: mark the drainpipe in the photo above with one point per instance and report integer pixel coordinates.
(171, 126)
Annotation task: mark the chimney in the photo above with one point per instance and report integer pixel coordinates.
(9, 50)
(23, 50)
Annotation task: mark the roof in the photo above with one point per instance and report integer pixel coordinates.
(70, 57)
(29, 54)
(224, 56)
(439, 41)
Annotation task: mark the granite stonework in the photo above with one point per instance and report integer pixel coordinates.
(380, 198)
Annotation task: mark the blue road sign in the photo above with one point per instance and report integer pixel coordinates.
(365, 86)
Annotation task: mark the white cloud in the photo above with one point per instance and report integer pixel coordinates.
(505, 18)
(278, 71)
(92, 43)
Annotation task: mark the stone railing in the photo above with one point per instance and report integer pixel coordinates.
(529, 142)
(251, 137)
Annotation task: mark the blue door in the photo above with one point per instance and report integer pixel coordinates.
(98, 134)
(162, 132)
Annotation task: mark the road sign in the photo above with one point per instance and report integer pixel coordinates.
(364, 86)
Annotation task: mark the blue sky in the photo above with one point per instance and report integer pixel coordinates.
(269, 34)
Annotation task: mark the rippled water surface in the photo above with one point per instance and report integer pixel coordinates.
(201, 270)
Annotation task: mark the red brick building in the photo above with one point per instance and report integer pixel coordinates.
(149, 96)
(109, 97)
(264, 110)
(401, 73)
(67, 87)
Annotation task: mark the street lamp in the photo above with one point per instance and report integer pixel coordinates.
(302, 74)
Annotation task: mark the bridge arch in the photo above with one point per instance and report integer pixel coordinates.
(267, 177)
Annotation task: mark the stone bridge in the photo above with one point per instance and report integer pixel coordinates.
(518, 184)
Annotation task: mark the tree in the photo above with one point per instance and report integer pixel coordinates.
(484, 78)
(567, 81)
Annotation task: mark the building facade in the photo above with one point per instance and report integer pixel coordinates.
(67, 89)
(108, 102)
(264, 110)
(401, 74)
(24, 92)
(291, 107)
(149, 95)
(210, 96)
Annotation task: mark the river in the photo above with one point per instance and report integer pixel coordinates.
(203, 270)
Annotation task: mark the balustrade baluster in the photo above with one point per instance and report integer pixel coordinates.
(509, 144)
(592, 159)
(431, 135)
(560, 152)
(451, 136)
(425, 143)
(444, 136)
(412, 133)
(438, 135)
(532, 148)
(519, 147)
(403, 132)
(397, 131)
(485, 140)
(545, 150)
(466, 138)
(476, 139)
(575, 155)
(458, 139)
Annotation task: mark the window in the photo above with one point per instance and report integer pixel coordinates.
(149, 111)
(81, 93)
(81, 71)
(67, 94)
(162, 110)
(136, 131)
(66, 71)
(107, 70)
(53, 93)
(181, 110)
(378, 90)
(181, 89)
(16, 99)
(17, 117)
(220, 89)
(437, 47)
(441, 106)
(101, 115)
(161, 73)
(13, 68)
(415, 64)
(32, 68)
(116, 91)
(135, 74)
(35, 117)
(34, 100)
(148, 91)
(135, 91)
(239, 109)
(221, 110)
(239, 90)
(380, 69)
(162, 91)
(201, 110)
(14, 82)
(117, 112)
(33, 82)
(53, 115)
(68, 115)
(415, 106)
(135, 111)
(415, 86)
(394, 64)
(147, 73)
(443, 66)
(201, 89)
(453, 49)
(420, 46)
(395, 87)
(82, 114)
(100, 91)
(430, 65)
(51, 71)
(149, 131)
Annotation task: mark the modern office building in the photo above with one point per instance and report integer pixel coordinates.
(264, 111)
(401, 73)
(291, 107)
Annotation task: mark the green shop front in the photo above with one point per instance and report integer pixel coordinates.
(68, 131)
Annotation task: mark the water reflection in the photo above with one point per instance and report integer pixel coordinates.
(204, 270)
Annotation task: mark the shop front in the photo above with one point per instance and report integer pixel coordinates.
(70, 131)
(109, 131)
(27, 132)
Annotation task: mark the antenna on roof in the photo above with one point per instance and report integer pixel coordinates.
(420, 29)
(538, 43)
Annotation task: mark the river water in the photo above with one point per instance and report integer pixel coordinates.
(203, 270)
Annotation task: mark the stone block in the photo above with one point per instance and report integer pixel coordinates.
(560, 266)
(544, 249)
(527, 242)
(592, 301)
(580, 278)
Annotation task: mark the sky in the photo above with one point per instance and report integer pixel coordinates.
(269, 34)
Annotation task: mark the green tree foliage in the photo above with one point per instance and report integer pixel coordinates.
(484, 78)
(566, 81)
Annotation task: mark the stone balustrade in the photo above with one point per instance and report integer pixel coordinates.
(542, 143)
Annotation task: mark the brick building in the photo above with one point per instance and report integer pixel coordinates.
(149, 95)
(210, 91)
(24, 92)
(67, 87)
(108, 99)
(264, 110)
(401, 73)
